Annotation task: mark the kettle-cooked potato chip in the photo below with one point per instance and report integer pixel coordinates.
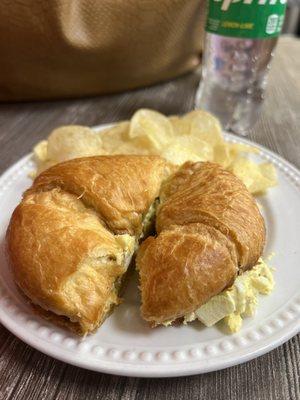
(181, 126)
(40, 156)
(40, 151)
(188, 148)
(269, 172)
(134, 146)
(153, 126)
(237, 148)
(73, 141)
(225, 153)
(195, 145)
(222, 155)
(257, 177)
(196, 136)
(178, 155)
(204, 126)
(114, 137)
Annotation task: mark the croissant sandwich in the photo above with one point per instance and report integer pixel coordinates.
(71, 239)
(209, 229)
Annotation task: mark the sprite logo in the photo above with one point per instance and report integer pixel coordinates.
(226, 3)
(246, 18)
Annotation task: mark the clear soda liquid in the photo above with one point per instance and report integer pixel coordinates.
(234, 79)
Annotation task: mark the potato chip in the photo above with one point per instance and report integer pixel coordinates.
(188, 148)
(134, 146)
(40, 156)
(114, 137)
(144, 144)
(45, 165)
(73, 141)
(237, 148)
(204, 126)
(180, 125)
(222, 155)
(257, 177)
(196, 136)
(225, 153)
(40, 151)
(269, 172)
(178, 155)
(153, 126)
(194, 145)
(32, 174)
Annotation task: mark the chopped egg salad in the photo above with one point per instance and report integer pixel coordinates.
(237, 302)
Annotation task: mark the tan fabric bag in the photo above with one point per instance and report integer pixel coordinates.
(67, 48)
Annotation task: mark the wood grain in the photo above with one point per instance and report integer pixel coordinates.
(26, 373)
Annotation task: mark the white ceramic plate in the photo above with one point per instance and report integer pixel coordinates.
(125, 345)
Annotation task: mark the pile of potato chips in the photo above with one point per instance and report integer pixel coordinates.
(196, 136)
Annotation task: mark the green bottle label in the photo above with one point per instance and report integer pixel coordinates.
(246, 18)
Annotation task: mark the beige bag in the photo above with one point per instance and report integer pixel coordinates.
(67, 48)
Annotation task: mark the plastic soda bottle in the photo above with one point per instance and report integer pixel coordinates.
(240, 38)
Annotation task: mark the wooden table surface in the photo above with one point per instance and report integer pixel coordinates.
(28, 374)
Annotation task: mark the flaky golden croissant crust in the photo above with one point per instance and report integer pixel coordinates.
(209, 228)
(71, 238)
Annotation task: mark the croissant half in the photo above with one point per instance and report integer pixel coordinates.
(71, 239)
(209, 230)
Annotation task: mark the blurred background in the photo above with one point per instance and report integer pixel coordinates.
(292, 18)
(62, 49)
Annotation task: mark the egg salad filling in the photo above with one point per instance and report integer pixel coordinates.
(149, 220)
(237, 302)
